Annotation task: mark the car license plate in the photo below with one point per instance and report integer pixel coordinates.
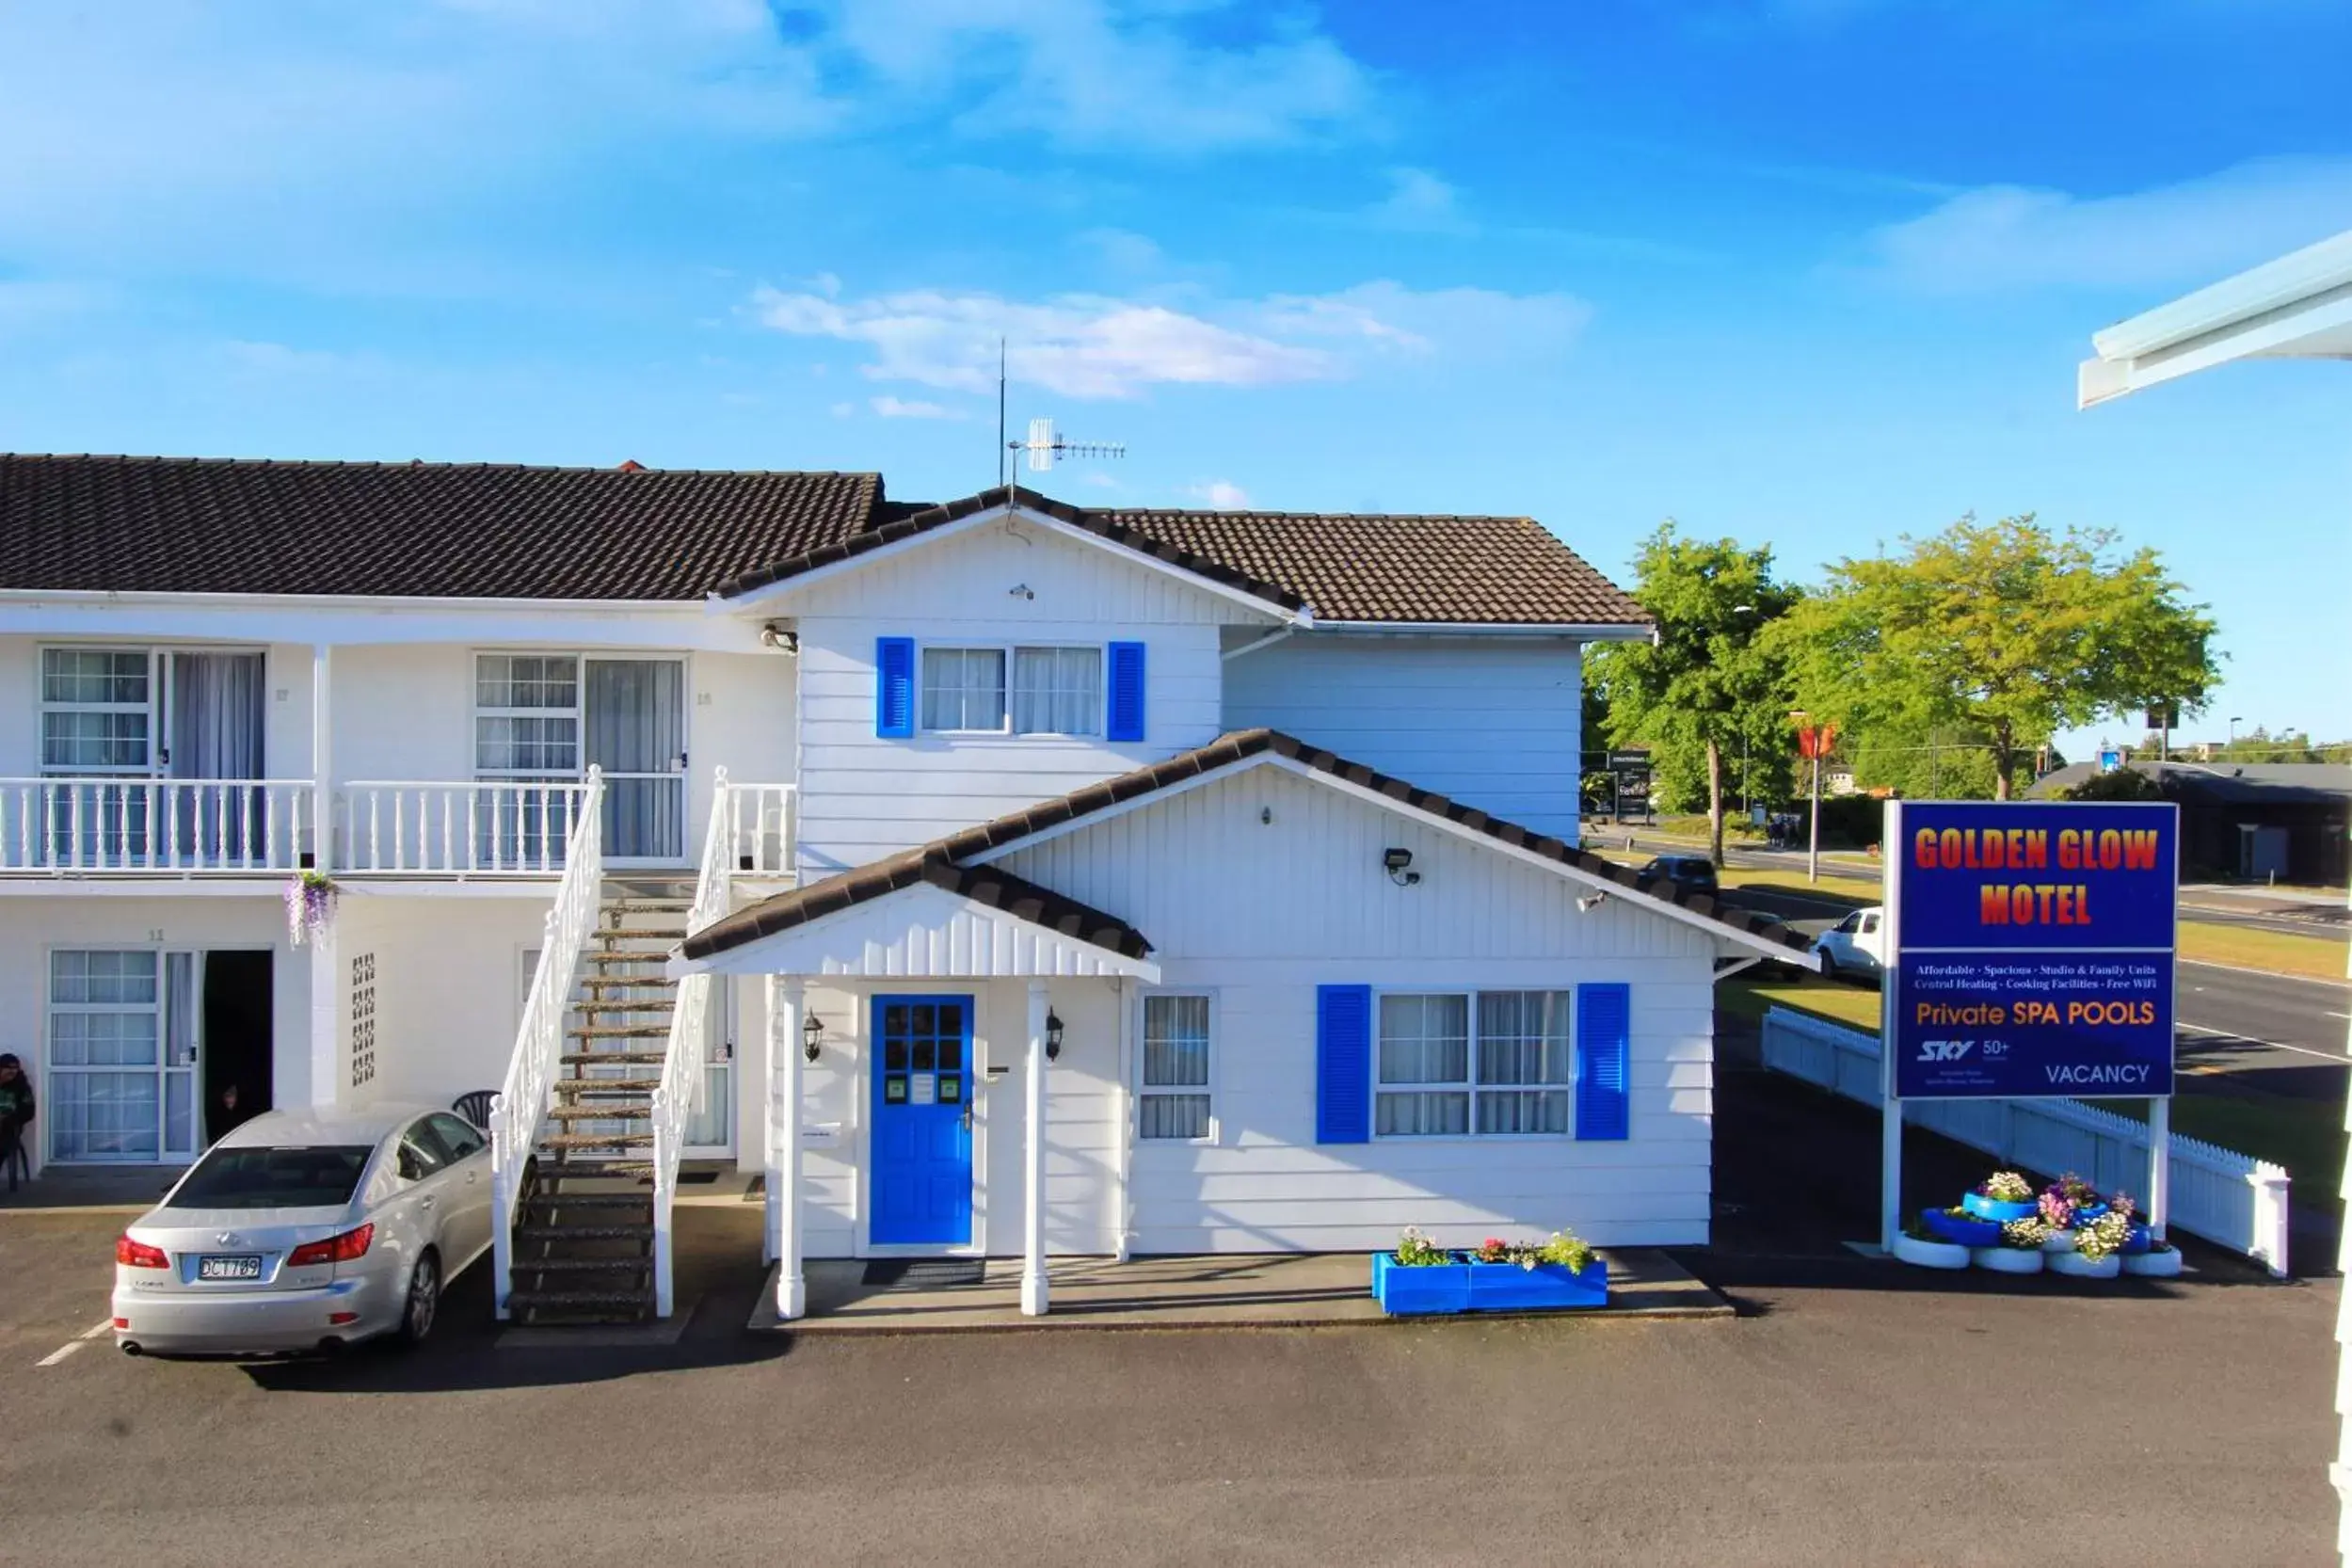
(248, 1266)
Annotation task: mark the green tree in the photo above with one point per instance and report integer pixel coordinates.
(1935, 763)
(2003, 628)
(2122, 784)
(1709, 679)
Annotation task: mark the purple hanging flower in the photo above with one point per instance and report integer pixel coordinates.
(310, 906)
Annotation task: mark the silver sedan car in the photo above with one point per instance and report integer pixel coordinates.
(307, 1230)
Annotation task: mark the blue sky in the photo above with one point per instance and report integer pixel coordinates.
(1815, 274)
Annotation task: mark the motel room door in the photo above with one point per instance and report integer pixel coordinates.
(921, 1149)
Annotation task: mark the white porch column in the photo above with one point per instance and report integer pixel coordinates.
(322, 754)
(1033, 1161)
(786, 1001)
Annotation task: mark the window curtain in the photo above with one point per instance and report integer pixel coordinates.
(217, 717)
(636, 730)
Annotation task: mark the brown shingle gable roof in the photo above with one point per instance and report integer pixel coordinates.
(990, 885)
(943, 857)
(1455, 570)
(423, 530)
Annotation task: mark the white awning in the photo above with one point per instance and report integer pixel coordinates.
(2298, 307)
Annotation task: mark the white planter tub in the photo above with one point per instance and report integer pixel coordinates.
(2059, 1241)
(1930, 1255)
(2154, 1264)
(2007, 1261)
(2074, 1263)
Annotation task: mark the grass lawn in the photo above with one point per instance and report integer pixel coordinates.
(2278, 951)
(1747, 996)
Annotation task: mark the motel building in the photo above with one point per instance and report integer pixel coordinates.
(999, 878)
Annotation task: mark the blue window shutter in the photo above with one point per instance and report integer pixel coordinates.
(1343, 1064)
(894, 686)
(1604, 1040)
(1124, 721)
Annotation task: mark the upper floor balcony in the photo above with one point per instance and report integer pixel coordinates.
(114, 825)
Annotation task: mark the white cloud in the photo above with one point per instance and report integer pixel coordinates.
(1223, 495)
(1096, 347)
(2002, 237)
(1420, 203)
(1164, 74)
(903, 407)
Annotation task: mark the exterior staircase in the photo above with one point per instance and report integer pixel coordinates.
(583, 1232)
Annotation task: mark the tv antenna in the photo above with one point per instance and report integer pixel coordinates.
(1043, 445)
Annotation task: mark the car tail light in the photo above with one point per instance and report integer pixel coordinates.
(123, 1323)
(138, 1254)
(337, 1319)
(351, 1244)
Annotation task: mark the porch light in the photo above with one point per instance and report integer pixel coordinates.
(1399, 863)
(1053, 1035)
(811, 1036)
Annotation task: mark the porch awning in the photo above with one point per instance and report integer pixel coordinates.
(919, 914)
(2298, 307)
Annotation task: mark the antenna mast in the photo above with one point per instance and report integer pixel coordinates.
(1043, 447)
(1005, 458)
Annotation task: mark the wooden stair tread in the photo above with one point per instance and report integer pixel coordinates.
(601, 1231)
(561, 1141)
(581, 1058)
(618, 1032)
(575, 1086)
(622, 1111)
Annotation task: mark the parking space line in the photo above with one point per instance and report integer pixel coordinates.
(97, 1328)
(61, 1352)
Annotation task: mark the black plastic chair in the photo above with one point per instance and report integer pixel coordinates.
(475, 1105)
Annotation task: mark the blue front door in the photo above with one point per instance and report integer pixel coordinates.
(923, 1128)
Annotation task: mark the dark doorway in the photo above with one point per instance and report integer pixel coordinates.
(237, 1043)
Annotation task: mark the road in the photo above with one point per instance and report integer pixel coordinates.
(2242, 1019)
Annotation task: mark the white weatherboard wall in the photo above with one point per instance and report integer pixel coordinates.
(1260, 913)
(1492, 722)
(863, 798)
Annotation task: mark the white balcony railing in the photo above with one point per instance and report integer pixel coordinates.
(457, 827)
(66, 826)
(759, 827)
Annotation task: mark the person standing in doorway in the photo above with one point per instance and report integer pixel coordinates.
(16, 1115)
(226, 1118)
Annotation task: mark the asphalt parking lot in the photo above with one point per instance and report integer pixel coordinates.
(1855, 1413)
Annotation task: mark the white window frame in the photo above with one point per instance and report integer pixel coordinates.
(160, 1069)
(1139, 1090)
(1469, 1084)
(153, 708)
(1011, 651)
(577, 713)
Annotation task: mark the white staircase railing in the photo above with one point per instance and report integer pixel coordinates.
(759, 827)
(521, 1105)
(682, 1064)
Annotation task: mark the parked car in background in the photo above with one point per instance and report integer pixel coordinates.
(304, 1230)
(1855, 947)
(1695, 872)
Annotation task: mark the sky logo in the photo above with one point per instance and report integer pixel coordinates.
(1944, 1050)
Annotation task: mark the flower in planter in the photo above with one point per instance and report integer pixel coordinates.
(2075, 1191)
(2103, 1237)
(2027, 1235)
(1566, 1248)
(2121, 1202)
(1493, 1250)
(1417, 1249)
(2005, 1187)
(2057, 1210)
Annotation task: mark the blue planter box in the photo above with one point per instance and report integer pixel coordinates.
(1463, 1286)
(1997, 1211)
(2138, 1242)
(1968, 1233)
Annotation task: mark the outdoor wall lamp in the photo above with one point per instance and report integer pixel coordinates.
(1591, 901)
(811, 1036)
(1399, 863)
(1053, 1035)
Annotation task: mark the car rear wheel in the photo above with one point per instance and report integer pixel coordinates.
(424, 1300)
(1828, 965)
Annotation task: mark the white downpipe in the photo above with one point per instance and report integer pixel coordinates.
(681, 1085)
(1034, 1291)
(521, 1104)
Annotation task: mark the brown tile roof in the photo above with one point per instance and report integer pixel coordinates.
(851, 887)
(507, 531)
(427, 530)
(986, 884)
(1472, 570)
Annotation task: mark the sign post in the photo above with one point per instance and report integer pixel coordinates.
(2030, 955)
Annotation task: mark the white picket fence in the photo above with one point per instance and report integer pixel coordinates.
(2226, 1197)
